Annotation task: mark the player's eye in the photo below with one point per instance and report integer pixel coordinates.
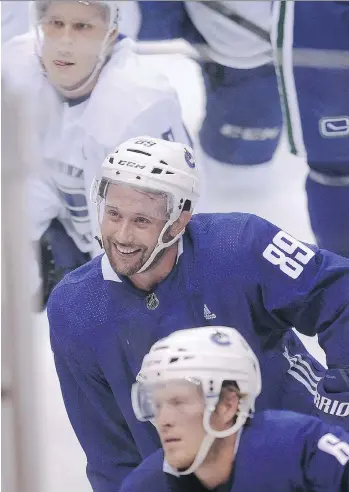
(112, 213)
(56, 23)
(142, 221)
(176, 402)
(82, 26)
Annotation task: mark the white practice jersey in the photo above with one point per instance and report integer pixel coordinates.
(240, 41)
(129, 100)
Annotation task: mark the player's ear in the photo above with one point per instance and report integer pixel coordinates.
(180, 223)
(226, 410)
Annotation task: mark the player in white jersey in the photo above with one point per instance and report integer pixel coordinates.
(243, 120)
(91, 92)
(236, 32)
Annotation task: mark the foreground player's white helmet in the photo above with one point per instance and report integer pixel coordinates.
(154, 165)
(38, 12)
(209, 356)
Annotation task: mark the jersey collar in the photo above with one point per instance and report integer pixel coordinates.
(166, 468)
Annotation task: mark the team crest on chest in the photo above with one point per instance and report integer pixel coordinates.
(152, 301)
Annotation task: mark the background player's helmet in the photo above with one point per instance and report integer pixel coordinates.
(154, 165)
(111, 7)
(210, 356)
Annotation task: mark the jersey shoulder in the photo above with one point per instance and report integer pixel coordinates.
(227, 236)
(239, 233)
(290, 429)
(217, 227)
(228, 226)
(126, 89)
(19, 63)
(278, 436)
(148, 475)
(81, 287)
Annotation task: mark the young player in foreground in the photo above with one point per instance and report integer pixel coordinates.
(198, 387)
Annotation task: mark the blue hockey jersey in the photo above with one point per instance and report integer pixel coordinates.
(277, 452)
(236, 270)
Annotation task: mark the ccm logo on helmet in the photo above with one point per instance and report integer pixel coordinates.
(131, 164)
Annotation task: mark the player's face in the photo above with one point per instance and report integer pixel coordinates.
(178, 418)
(73, 34)
(131, 224)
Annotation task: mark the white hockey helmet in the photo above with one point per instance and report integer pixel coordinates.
(38, 10)
(210, 356)
(155, 165)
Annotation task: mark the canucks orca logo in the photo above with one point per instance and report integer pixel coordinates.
(220, 338)
(189, 159)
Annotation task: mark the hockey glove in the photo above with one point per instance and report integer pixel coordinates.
(58, 256)
(332, 397)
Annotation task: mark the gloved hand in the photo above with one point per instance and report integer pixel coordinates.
(332, 397)
(58, 255)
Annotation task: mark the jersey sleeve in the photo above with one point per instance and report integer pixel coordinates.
(93, 411)
(325, 458)
(298, 285)
(43, 205)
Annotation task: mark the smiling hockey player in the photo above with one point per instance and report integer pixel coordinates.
(164, 268)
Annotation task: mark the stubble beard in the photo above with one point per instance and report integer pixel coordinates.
(132, 270)
(124, 269)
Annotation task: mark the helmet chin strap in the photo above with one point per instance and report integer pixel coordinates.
(211, 436)
(200, 457)
(76, 92)
(160, 245)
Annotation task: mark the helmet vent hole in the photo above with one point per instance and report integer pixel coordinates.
(111, 160)
(139, 152)
(162, 347)
(163, 162)
(156, 170)
(174, 359)
(169, 172)
(187, 206)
